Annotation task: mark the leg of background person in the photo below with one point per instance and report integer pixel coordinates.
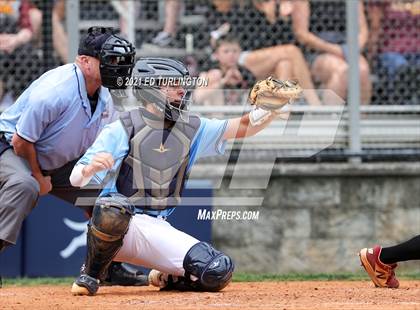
(331, 71)
(283, 69)
(365, 81)
(171, 16)
(302, 73)
(35, 16)
(18, 195)
(263, 63)
(409, 250)
(167, 35)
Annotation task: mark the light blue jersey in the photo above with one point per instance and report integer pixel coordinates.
(113, 139)
(54, 114)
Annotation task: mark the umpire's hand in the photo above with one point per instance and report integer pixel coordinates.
(45, 185)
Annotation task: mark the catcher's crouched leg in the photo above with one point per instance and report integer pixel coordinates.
(206, 269)
(109, 223)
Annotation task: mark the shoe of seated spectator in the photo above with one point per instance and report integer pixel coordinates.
(382, 275)
(163, 39)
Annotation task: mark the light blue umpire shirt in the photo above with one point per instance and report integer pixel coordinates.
(54, 113)
(113, 139)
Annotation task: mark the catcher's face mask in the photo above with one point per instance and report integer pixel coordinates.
(172, 100)
(177, 100)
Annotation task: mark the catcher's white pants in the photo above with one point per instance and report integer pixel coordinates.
(153, 243)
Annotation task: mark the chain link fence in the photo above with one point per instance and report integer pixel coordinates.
(234, 43)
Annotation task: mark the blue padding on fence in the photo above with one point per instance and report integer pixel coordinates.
(54, 236)
(11, 260)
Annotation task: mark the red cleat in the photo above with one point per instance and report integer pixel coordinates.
(381, 274)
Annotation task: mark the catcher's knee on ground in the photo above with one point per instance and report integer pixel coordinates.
(212, 269)
(107, 228)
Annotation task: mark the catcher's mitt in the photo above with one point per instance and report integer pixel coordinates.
(272, 94)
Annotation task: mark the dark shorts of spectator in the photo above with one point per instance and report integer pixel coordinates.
(393, 62)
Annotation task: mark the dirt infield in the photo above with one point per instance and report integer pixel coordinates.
(252, 295)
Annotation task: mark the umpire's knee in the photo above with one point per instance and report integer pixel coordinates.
(213, 268)
(26, 190)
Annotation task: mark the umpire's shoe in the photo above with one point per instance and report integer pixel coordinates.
(120, 275)
(85, 285)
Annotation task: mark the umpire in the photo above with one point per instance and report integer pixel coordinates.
(52, 124)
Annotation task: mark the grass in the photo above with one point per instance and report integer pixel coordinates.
(238, 277)
(38, 281)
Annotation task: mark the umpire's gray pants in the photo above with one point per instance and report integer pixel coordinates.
(18, 194)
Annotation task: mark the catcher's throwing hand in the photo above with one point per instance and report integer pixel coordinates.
(101, 161)
(272, 94)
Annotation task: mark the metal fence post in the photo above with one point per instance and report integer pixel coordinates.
(72, 24)
(352, 24)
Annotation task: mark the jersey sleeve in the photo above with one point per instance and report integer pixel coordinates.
(112, 139)
(208, 140)
(44, 108)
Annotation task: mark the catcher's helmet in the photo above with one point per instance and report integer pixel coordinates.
(150, 75)
(116, 55)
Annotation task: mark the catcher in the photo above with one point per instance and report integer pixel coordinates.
(143, 160)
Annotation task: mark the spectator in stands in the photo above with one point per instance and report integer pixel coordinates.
(394, 45)
(167, 35)
(20, 21)
(227, 78)
(221, 16)
(60, 39)
(59, 33)
(267, 42)
(395, 37)
(321, 27)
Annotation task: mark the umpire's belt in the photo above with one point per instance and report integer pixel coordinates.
(4, 145)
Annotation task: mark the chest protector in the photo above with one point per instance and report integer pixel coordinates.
(155, 170)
